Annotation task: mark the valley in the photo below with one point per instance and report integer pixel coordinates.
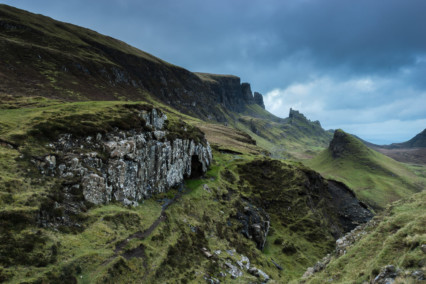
(119, 167)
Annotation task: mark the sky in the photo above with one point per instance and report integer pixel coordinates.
(355, 65)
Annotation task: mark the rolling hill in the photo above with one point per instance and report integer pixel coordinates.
(376, 178)
(391, 247)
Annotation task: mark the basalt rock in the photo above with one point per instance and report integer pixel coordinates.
(247, 95)
(255, 224)
(230, 92)
(126, 166)
(258, 99)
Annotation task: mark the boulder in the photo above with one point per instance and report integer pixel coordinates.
(387, 275)
(255, 224)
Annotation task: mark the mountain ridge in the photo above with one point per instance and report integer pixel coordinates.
(71, 63)
(58, 53)
(412, 151)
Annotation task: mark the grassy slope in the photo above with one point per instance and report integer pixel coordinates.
(73, 63)
(395, 240)
(29, 124)
(173, 249)
(297, 138)
(55, 32)
(377, 179)
(45, 57)
(27, 121)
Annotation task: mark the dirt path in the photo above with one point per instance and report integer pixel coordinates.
(141, 235)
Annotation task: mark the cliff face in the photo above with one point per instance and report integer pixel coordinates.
(124, 166)
(102, 68)
(230, 92)
(258, 99)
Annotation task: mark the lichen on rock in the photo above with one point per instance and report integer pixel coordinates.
(128, 166)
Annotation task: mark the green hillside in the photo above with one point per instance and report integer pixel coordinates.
(377, 179)
(395, 237)
(117, 243)
(118, 167)
(294, 137)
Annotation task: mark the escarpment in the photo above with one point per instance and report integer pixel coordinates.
(228, 91)
(58, 54)
(127, 166)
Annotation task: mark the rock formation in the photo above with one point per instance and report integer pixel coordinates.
(127, 166)
(258, 99)
(255, 224)
(230, 92)
(338, 145)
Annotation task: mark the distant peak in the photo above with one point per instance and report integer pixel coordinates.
(418, 141)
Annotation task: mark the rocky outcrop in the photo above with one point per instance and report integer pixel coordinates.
(258, 99)
(290, 193)
(339, 144)
(230, 92)
(126, 166)
(255, 224)
(350, 211)
(246, 93)
(294, 114)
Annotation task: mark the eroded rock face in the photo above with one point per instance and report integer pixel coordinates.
(258, 99)
(128, 166)
(255, 224)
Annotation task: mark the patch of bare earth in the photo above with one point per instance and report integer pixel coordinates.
(409, 155)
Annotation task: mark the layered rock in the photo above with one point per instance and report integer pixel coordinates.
(127, 166)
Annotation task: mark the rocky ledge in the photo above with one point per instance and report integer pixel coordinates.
(126, 166)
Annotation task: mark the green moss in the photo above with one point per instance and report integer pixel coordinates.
(179, 129)
(26, 247)
(377, 179)
(394, 239)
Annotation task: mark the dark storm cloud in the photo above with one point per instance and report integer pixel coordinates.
(360, 64)
(362, 36)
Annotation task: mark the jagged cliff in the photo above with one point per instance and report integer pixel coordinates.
(73, 63)
(230, 92)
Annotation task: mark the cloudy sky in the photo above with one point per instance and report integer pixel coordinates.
(356, 65)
